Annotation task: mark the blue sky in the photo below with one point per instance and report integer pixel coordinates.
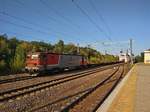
(51, 20)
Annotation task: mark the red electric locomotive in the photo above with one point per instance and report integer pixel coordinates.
(43, 61)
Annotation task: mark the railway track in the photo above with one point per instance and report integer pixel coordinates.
(13, 94)
(69, 102)
(92, 100)
(16, 79)
(3, 81)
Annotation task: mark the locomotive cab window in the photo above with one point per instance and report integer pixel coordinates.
(34, 56)
(28, 56)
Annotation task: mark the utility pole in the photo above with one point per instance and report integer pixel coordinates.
(131, 47)
(105, 52)
(78, 49)
(89, 54)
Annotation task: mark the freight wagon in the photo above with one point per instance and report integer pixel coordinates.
(46, 61)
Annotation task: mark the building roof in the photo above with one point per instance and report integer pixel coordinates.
(147, 51)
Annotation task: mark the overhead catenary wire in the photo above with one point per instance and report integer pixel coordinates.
(113, 45)
(20, 3)
(24, 26)
(18, 34)
(20, 19)
(90, 19)
(29, 22)
(59, 14)
(29, 28)
(75, 26)
(38, 12)
(100, 16)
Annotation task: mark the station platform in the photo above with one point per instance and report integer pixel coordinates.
(132, 94)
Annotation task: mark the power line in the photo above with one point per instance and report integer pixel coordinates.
(38, 12)
(58, 13)
(53, 19)
(16, 34)
(61, 15)
(28, 28)
(90, 19)
(17, 18)
(25, 27)
(18, 2)
(29, 22)
(100, 16)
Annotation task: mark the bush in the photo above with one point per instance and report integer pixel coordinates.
(2, 65)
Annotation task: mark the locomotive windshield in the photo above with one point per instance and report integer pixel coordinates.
(34, 56)
(28, 56)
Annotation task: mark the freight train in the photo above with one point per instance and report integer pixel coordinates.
(46, 61)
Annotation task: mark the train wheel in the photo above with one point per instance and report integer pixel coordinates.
(35, 74)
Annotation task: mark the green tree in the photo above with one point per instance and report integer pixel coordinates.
(70, 49)
(59, 47)
(19, 59)
(3, 66)
(41, 46)
(12, 44)
(13, 52)
(139, 58)
(3, 53)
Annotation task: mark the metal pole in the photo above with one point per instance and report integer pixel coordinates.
(78, 49)
(131, 51)
(89, 53)
(105, 52)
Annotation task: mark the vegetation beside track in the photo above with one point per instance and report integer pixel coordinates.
(13, 52)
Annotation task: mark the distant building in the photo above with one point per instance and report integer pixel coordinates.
(147, 56)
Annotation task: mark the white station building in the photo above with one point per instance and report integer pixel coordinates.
(147, 57)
